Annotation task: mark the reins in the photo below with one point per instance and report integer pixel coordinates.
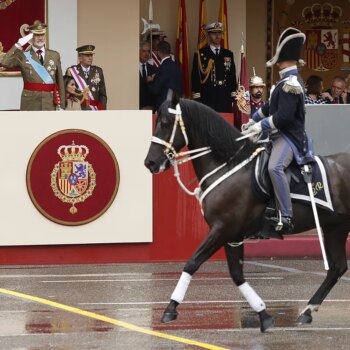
(177, 159)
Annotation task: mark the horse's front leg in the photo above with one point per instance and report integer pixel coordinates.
(208, 247)
(235, 260)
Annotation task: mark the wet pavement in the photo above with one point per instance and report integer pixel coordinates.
(119, 306)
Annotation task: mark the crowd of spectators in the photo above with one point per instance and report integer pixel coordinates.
(337, 93)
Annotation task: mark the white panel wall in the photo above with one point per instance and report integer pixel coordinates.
(128, 219)
(62, 21)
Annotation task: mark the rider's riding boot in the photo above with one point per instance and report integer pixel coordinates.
(283, 224)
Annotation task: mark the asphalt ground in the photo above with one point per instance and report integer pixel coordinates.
(119, 306)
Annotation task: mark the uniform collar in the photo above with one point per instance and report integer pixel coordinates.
(286, 72)
(165, 58)
(258, 103)
(213, 48)
(85, 69)
(37, 48)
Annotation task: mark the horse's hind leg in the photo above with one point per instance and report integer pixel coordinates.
(208, 247)
(235, 260)
(335, 245)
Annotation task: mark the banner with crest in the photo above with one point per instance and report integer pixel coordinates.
(14, 15)
(327, 29)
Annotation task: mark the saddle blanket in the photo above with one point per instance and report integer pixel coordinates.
(298, 187)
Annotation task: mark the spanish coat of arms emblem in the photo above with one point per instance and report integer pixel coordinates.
(73, 178)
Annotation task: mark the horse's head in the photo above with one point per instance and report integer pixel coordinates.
(168, 138)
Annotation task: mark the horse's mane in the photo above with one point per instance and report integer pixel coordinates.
(203, 122)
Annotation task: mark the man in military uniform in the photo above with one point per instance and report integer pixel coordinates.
(43, 88)
(256, 91)
(284, 118)
(214, 72)
(89, 79)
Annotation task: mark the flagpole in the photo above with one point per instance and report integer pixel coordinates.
(150, 19)
(242, 53)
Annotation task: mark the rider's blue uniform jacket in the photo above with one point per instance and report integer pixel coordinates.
(286, 109)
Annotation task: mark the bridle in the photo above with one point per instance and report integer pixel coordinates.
(170, 152)
(178, 158)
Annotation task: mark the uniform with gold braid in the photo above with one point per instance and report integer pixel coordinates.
(214, 75)
(93, 80)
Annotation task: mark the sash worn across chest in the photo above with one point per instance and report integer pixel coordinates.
(39, 69)
(94, 105)
(47, 85)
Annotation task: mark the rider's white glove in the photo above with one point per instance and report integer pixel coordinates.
(246, 126)
(254, 131)
(25, 39)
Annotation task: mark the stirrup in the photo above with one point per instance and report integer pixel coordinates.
(279, 225)
(282, 224)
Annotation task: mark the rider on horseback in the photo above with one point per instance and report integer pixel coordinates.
(284, 117)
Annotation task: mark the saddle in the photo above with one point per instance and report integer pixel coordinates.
(263, 189)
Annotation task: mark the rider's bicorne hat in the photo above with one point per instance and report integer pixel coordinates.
(289, 46)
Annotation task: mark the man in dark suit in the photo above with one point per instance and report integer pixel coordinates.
(89, 79)
(145, 69)
(168, 78)
(214, 72)
(337, 91)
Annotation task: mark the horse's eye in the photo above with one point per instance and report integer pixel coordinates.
(164, 121)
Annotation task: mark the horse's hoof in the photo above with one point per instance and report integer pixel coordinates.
(266, 321)
(169, 316)
(304, 318)
(266, 324)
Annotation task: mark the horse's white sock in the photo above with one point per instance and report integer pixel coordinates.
(181, 287)
(252, 298)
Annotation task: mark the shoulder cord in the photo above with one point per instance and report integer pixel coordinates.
(205, 72)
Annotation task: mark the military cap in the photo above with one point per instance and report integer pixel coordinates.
(216, 27)
(86, 49)
(38, 27)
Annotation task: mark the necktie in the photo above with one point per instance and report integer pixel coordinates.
(216, 52)
(40, 56)
(336, 100)
(144, 73)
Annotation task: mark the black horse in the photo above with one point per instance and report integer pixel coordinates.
(231, 209)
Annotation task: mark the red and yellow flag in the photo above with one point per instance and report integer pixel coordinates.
(182, 46)
(202, 34)
(223, 19)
